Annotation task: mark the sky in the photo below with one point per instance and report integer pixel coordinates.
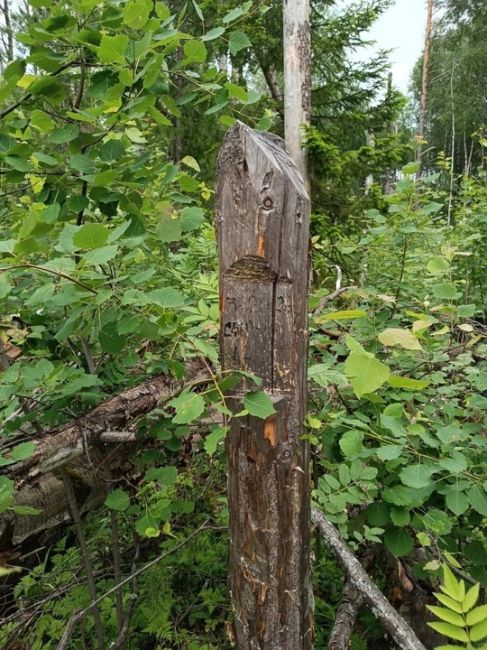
(401, 29)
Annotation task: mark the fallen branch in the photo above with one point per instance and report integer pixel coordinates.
(348, 609)
(334, 294)
(397, 627)
(83, 446)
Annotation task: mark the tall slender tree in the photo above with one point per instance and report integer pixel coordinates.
(424, 83)
(297, 79)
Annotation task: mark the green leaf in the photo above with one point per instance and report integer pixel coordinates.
(366, 373)
(450, 647)
(136, 13)
(233, 15)
(213, 33)
(169, 230)
(91, 235)
(451, 631)
(191, 219)
(6, 492)
(471, 598)
(351, 443)
(324, 376)
(445, 290)
(477, 615)
(478, 499)
(346, 314)
(19, 164)
(110, 340)
(166, 476)
(449, 602)
(214, 438)
(410, 168)
(398, 541)
(100, 255)
(166, 297)
(111, 150)
(238, 41)
(112, 48)
(438, 265)
(188, 407)
(259, 404)
(479, 631)
(400, 517)
(189, 161)
(237, 92)
(395, 336)
(195, 51)
(438, 522)
(81, 163)
(26, 510)
(20, 452)
(389, 452)
(457, 502)
(64, 134)
(407, 383)
(447, 615)
(118, 500)
(417, 476)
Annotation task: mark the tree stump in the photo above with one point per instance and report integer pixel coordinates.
(263, 230)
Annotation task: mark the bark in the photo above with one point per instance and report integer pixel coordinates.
(82, 446)
(348, 609)
(9, 45)
(424, 84)
(350, 604)
(263, 224)
(397, 627)
(297, 79)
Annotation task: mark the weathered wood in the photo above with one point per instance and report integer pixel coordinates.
(297, 79)
(397, 627)
(262, 224)
(81, 446)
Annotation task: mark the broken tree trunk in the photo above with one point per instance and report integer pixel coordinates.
(90, 448)
(262, 223)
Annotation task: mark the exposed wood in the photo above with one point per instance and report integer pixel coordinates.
(424, 84)
(81, 445)
(263, 223)
(297, 79)
(397, 627)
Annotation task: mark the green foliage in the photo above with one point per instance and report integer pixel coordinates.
(460, 618)
(401, 437)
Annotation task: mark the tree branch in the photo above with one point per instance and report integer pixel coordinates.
(397, 627)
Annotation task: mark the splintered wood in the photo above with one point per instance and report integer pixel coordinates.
(262, 223)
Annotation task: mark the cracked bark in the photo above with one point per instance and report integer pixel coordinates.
(262, 224)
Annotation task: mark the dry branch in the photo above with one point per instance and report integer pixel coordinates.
(397, 627)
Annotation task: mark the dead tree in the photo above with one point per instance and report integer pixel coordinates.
(297, 79)
(424, 84)
(263, 223)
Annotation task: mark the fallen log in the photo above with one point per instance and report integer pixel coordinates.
(92, 449)
(397, 627)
